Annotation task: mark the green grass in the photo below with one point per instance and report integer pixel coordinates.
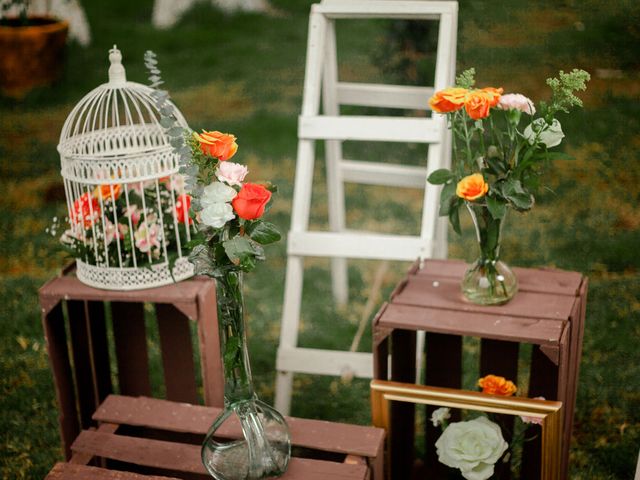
(244, 74)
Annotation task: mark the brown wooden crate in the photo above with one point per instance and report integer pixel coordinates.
(180, 457)
(68, 471)
(180, 417)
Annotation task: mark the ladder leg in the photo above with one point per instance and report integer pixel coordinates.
(333, 155)
(284, 388)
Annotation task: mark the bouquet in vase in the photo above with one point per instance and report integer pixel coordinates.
(501, 144)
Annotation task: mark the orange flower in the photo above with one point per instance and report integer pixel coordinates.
(472, 187)
(477, 103)
(219, 145)
(105, 191)
(86, 211)
(495, 93)
(496, 385)
(183, 204)
(448, 100)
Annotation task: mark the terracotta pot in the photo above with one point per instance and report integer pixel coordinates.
(32, 55)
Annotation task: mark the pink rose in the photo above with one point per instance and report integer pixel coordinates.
(516, 101)
(231, 173)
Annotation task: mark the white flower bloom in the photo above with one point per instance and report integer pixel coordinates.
(231, 173)
(473, 447)
(217, 192)
(550, 135)
(440, 415)
(216, 214)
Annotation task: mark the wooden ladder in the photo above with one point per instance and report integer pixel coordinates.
(339, 244)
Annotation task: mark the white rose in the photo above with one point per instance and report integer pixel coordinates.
(550, 135)
(440, 415)
(216, 214)
(231, 173)
(217, 192)
(473, 447)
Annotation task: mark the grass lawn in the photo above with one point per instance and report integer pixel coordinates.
(244, 74)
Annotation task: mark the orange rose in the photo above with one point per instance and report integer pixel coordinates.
(478, 103)
(183, 204)
(104, 192)
(448, 100)
(251, 201)
(495, 94)
(472, 187)
(219, 145)
(86, 211)
(496, 385)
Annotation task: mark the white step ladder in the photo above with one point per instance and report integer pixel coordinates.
(321, 77)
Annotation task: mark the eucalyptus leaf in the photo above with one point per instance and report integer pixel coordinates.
(521, 201)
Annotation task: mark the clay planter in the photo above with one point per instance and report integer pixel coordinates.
(31, 55)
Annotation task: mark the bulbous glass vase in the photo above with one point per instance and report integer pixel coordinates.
(249, 440)
(489, 281)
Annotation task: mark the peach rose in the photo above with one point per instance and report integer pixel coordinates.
(496, 385)
(105, 191)
(495, 94)
(477, 103)
(472, 187)
(219, 145)
(448, 100)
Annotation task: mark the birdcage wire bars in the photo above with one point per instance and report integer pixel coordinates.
(128, 218)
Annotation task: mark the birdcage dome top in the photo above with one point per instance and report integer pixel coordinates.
(115, 133)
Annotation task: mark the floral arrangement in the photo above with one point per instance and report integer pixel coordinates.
(131, 215)
(475, 446)
(501, 144)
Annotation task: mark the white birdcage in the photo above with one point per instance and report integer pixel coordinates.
(128, 211)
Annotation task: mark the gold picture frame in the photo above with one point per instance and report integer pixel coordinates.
(382, 392)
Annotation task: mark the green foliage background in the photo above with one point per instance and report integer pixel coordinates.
(244, 74)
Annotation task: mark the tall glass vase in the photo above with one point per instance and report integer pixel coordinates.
(489, 281)
(265, 447)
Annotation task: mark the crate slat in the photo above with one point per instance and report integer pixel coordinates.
(185, 458)
(477, 323)
(68, 471)
(181, 417)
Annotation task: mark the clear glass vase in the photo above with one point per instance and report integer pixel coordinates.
(265, 447)
(489, 281)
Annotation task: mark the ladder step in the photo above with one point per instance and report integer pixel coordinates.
(414, 9)
(371, 173)
(389, 96)
(367, 128)
(316, 361)
(371, 246)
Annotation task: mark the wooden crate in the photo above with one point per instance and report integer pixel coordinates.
(81, 363)
(548, 312)
(161, 439)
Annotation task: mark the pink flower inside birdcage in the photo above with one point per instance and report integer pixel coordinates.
(128, 222)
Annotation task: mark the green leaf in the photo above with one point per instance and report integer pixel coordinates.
(496, 166)
(263, 232)
(446, 197)
(496, 207)
(203, 264)
(440, 176)
(231, 350)
(521, 201)
(454, 218)
(237, 248)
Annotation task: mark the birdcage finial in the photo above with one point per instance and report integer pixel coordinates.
(117, 75)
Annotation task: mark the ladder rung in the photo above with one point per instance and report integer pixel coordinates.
(324, 362)
(390, 96)
(414, 9)
(392, 175)
(372, 246)
(375, 129)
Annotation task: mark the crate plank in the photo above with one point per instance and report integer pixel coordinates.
(56, 341)
(445, 294)
(181, 417)
(177, 354)
(209, 340)
(480, 324)
(131, 348)
(186, 458)
(82, 361)
(68, 471)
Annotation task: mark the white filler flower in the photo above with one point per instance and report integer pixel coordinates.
(440, 415)
(473, 447)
